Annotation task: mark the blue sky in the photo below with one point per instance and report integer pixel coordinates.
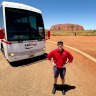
(81, 12)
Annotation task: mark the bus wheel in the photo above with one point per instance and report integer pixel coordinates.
(2, 49)
(45, 55)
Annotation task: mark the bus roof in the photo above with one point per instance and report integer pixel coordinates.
(19, 6)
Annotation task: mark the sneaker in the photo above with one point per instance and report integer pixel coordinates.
(54, 89)
(63, 92)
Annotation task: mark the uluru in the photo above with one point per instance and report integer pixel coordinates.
(67, 27)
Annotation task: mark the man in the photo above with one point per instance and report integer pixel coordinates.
(60, 58)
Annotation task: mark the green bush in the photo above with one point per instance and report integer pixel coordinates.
(72, 33)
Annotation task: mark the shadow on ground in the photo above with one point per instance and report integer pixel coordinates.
(65, 87)
(27, 62)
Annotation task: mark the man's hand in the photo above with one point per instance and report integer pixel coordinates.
(66, 65)
(52, 63)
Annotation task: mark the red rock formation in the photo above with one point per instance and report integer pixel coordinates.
(66, 27)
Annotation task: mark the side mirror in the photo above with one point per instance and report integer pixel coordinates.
(1, 33)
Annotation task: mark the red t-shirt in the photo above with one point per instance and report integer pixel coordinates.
(60, 58)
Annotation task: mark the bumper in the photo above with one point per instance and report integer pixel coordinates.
(22, 57)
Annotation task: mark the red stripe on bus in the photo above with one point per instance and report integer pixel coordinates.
(6, 42)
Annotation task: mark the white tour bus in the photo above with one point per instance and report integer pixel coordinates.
(22, 33)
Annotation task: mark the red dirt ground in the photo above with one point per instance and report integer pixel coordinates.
(36, 79)
(86, 44)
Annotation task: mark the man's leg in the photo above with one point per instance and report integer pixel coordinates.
(56, 73)
(62, 75)
(63, 81)
(54, 85)
(55, 80)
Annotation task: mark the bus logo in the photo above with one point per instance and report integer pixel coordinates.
(31, 44)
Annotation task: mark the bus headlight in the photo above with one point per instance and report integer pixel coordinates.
(11, 54)
(43, 49)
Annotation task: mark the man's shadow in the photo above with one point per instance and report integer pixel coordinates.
(29, 61)
(65, 87)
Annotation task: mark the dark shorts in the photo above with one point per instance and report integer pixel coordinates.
(61, 71)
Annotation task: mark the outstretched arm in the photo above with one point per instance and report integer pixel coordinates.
(70, 58)
(50, 55)
(52, 63)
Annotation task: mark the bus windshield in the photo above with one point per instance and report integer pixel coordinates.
(23, 25)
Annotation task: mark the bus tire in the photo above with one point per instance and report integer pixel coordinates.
(2, 48)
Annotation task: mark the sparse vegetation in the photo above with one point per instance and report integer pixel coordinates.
(73, 33)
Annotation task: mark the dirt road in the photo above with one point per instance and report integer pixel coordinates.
(37, 79)
(86, 44)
